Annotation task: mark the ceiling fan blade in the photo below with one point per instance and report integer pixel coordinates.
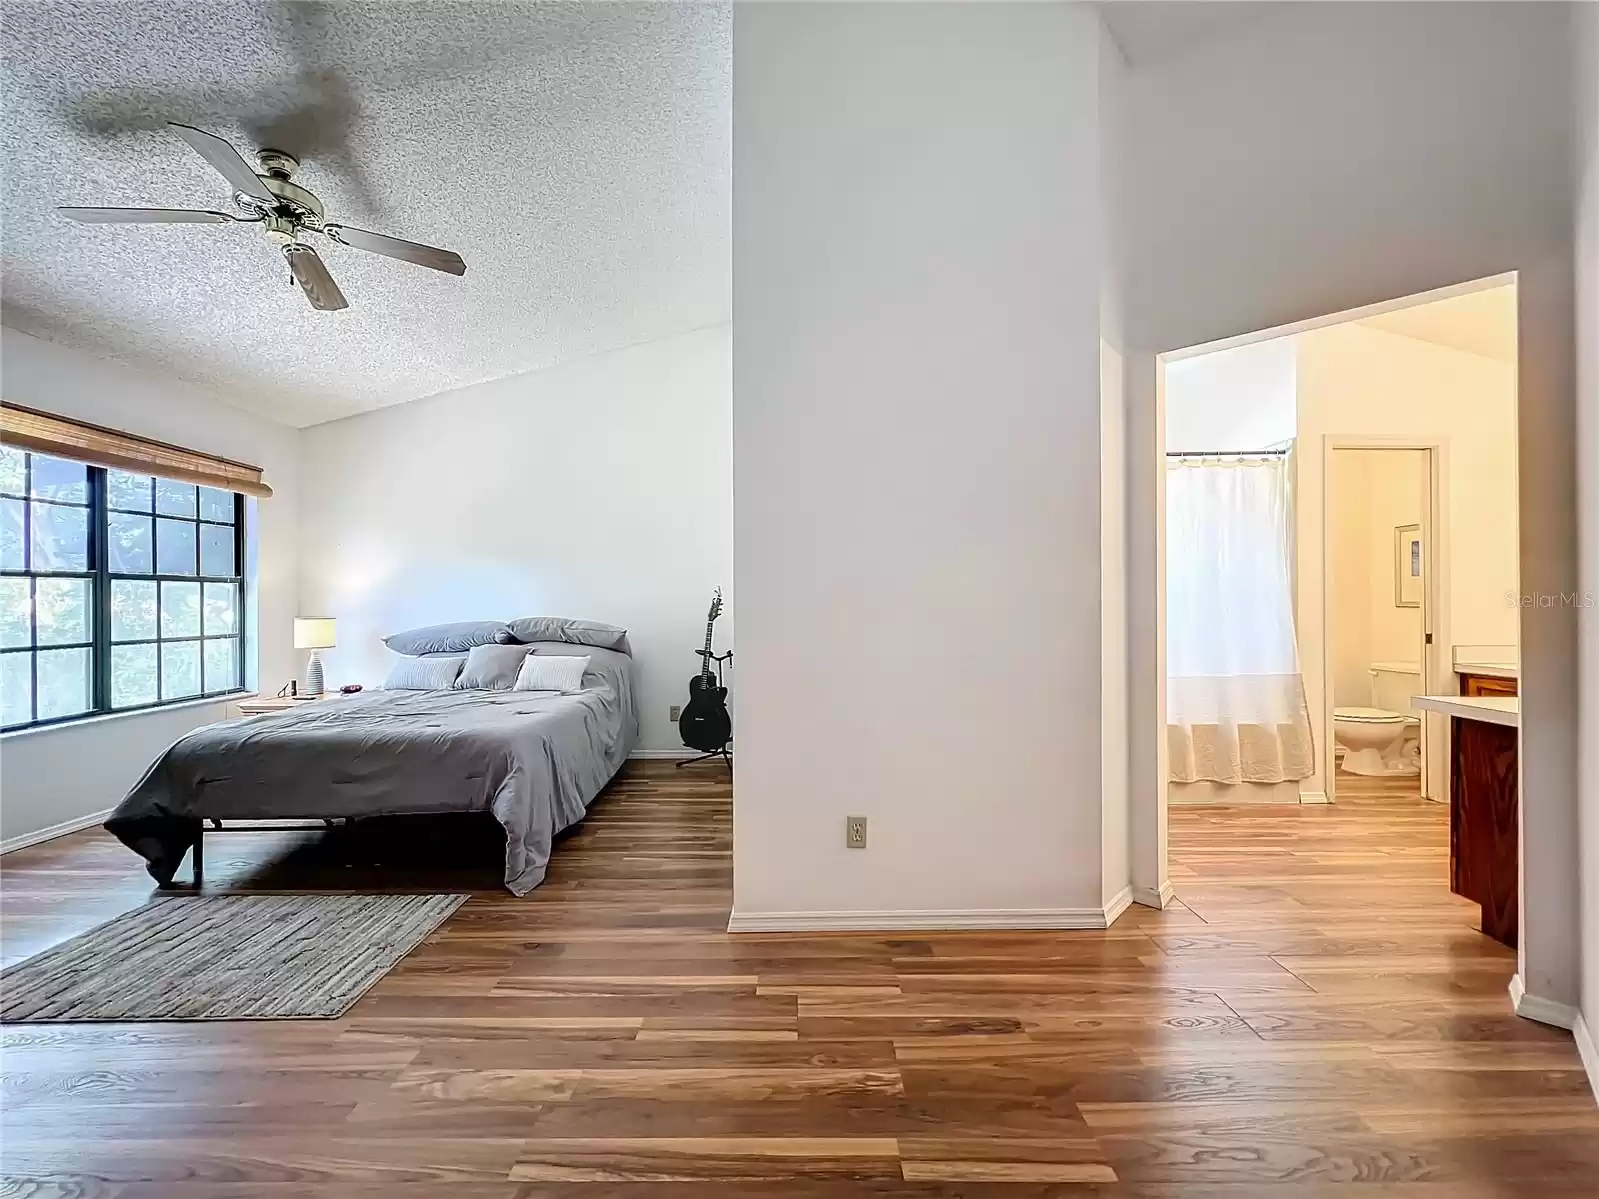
(312, 273)
(395, 247)
(226, 160)
(150, 216)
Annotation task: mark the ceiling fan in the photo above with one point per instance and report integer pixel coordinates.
(284, 209)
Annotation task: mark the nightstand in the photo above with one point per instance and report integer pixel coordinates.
(261, 704)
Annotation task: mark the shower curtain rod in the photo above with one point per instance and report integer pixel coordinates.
(1228, 453)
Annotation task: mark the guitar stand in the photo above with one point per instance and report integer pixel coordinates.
(720, 660)
(715, 753)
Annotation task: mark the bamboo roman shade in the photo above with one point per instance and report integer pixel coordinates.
(66, 438)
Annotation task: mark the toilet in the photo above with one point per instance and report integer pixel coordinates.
(1384, 738)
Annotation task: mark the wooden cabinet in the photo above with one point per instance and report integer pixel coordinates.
(1483, 831)
(1486, 684)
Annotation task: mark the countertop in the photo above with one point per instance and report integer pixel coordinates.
(1493, 709)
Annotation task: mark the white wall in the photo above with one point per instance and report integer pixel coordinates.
(1356, 380)
(916, 458)
(1586, 44)
(1237, 399)
(1265, 190)
(57, 775)
(599, 489)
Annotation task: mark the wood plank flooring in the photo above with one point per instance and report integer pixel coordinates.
(1317, 1016)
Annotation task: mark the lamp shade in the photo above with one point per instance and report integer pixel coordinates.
(314, 632)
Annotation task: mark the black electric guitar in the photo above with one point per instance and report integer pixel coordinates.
(705, 724)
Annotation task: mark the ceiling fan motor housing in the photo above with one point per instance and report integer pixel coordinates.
(277, 163)
(295, 205)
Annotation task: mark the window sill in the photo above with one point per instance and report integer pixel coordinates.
(207, 701)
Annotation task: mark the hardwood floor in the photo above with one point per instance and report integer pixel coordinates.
(1316, 1016)
(1363, 787)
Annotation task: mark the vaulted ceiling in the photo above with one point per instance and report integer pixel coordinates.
(1478, 322)
(578, 156)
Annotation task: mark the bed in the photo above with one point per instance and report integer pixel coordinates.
(536, 760)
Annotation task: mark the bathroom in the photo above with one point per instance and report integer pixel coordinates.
(1341, 536)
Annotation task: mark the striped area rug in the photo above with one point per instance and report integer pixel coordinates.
(224, 957)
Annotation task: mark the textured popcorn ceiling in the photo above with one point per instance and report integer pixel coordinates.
(577, 156)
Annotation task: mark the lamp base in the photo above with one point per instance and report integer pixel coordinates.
(313, 675)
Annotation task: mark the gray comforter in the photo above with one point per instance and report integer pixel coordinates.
(534, 759)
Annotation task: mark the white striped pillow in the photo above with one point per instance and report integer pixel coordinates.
(550, 672)
(423, 674)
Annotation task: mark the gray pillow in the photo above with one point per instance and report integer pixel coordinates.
(448, 638)
(491, 667)
(573, 632)
(423, 674)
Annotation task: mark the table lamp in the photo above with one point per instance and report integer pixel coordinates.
(313, 633)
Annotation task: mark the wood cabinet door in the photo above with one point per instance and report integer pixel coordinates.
(1486, 684)
(1483, 835)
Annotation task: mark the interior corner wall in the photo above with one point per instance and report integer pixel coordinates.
(599, 489)
(1115, 746)
(1586, 96)
(1115, 751)
(60, 775)
(916, 438)
(1258, 198)
(1549, 941)
(1149, 769)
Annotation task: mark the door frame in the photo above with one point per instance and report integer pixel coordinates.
(1437, 667)
(1145, 377)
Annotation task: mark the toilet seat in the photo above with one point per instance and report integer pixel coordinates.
(1373, 716)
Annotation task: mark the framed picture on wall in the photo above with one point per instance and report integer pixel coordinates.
(1407, 566)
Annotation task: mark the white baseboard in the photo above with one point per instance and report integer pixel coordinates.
(1118, 904)
(929, 921)
(662, 755)
(1313, 797)
(1150, 898)
(1544, 1011)
(55, 830)
(1588, 1051)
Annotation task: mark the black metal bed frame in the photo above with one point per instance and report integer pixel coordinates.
(198, 851)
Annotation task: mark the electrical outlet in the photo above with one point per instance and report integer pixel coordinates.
(855, 832)
(677, 712)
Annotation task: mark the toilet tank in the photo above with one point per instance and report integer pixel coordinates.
(1394, 685)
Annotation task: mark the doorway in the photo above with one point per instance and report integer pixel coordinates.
(1533, 653)
(1381, 609)
(1435, 375)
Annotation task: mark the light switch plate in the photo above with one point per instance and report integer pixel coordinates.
(677, 712)
(855, 832)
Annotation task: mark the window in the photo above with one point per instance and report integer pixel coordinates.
(117, 591)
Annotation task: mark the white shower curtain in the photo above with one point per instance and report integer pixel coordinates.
(1235, 701)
